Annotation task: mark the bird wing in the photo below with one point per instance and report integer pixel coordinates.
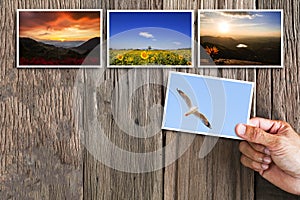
(203, 118)
(186, 98)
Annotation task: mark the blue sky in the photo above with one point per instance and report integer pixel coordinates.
(160, 30)
(224, 103)
(240, 23)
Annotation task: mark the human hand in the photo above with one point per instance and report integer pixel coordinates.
(272, 148)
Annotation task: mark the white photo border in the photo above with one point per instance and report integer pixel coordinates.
(58, 66)
(243, 66)
(193, 46)
(163, 127)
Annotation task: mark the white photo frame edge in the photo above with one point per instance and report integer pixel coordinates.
(206, 77)
(194, 64)
(242, 66)
(58, 66)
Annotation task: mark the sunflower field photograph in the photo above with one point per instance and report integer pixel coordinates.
(150, 38)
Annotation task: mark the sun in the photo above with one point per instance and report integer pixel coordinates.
(223, 27)
(62, 39)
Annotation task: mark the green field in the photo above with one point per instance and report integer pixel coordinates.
(150, 57)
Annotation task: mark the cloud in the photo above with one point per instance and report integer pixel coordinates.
(258, 15)
(77, 15)
(177, 43)
(58, 20)
(146, 35)
(43, 34)
(249, 25)
(154, 39)
(241, 15)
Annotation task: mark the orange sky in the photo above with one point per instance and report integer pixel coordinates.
(59, 25)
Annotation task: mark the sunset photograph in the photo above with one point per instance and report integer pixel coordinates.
(150, 38)
(241, 38)
(59, 38)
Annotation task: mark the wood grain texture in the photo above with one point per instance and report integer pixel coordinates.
(218, 175)
(42, 156)
(40, 150)
(103, 182)
(278, 89)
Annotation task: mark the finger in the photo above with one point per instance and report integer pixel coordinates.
(271, 126)
(256, 135)
(258, 147)
(279, 178)
(256, 166)
(247, 150)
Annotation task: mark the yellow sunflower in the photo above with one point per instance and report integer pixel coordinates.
(130, 59)
(120, 57)
(144, 55)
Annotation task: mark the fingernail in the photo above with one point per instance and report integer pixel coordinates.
(241, 129)
(267, 151)
(267, 160)
(264, 166)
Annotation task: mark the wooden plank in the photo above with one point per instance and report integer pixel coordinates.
(41, 155)
(278, 95)
(219, 175)
(101, 181)
(40, 150)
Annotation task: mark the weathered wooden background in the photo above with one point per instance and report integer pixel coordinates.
(41, 156)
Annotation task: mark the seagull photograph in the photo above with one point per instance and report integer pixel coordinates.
(193, 110)
(206, 105)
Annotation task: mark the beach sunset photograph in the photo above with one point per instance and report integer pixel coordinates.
(246, 38)
(59, 38)
(150, 38)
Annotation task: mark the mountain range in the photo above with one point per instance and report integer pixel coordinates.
(30, 49)
(258, 51)
(87, 46)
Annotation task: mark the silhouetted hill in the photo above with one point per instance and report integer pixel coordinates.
(258, 50)
(28, 42)
(30, 48)
(87, 46)
(32, 52)
(224, 41)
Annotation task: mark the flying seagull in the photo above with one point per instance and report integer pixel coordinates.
(193, 109)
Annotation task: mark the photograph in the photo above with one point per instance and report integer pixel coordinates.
(59, 38)
(138, 38)
(206, 105)
(240, 38)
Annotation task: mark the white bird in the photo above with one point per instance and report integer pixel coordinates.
(193, 109)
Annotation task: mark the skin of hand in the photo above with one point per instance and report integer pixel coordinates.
(272, 148)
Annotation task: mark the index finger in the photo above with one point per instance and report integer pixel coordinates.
(268, 125)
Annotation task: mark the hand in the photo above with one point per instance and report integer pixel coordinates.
(272, 148)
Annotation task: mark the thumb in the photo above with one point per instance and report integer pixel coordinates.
(256, 135)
